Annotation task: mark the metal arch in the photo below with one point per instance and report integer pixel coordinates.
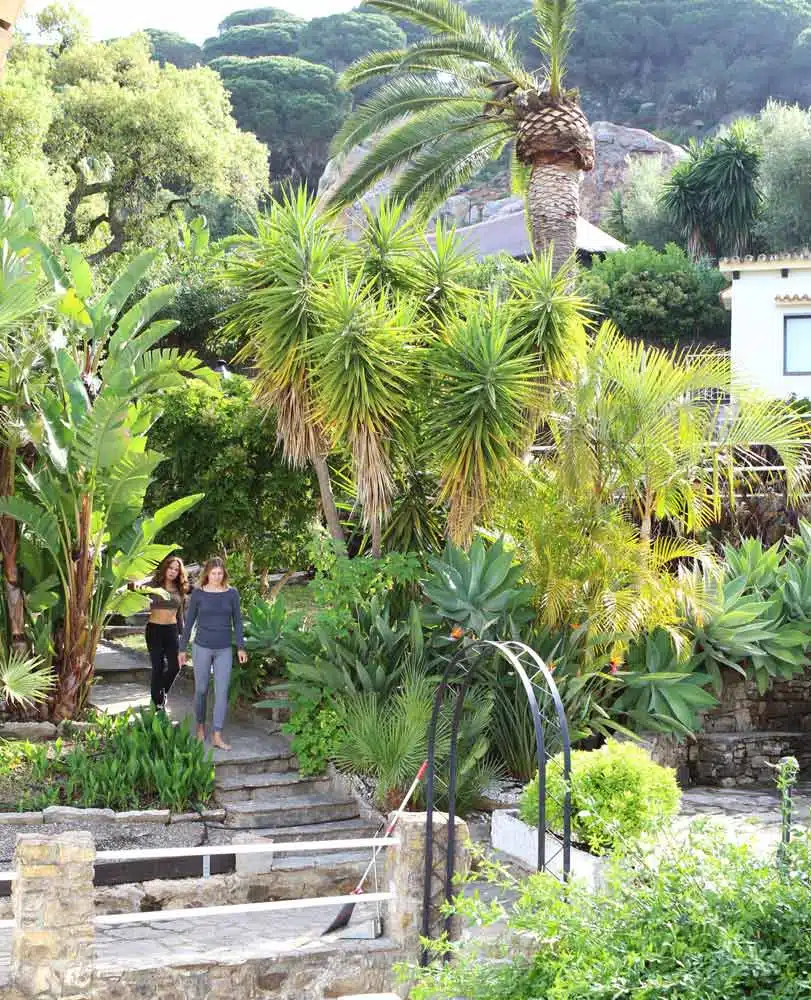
(511, 651)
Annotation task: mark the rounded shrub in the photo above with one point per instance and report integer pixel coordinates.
(618, 795)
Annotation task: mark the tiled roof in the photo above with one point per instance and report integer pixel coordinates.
(778, 259)
(791, 299)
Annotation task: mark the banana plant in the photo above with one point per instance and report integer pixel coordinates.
(81, 499)
(480, 590)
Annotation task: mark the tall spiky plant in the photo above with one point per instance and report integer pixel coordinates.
(481, 419)
(363, 378)
(280, 271)
(450, 102)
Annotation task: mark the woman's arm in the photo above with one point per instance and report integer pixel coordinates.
(236, 617)
(191, 618)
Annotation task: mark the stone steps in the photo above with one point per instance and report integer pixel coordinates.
(116, 666)
(290, 812)
(343, 829)
(267, 787)
(270, 754)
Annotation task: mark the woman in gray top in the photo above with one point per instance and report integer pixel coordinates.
(214, 607)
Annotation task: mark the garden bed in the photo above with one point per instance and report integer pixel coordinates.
(137, 761)
(515, 838)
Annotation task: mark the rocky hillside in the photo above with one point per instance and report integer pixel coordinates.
(615, 146)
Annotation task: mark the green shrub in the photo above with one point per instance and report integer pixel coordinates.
(127, 762)
(660, 297)
(220, 443)
(316, 731)
(711, 921)
(618, 794)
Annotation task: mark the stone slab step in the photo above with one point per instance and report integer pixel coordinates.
(254, 754)
(267, 787)
(344, 829)
(369, 996)
(290, 812)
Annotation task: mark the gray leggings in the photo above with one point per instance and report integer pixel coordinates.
(204, 660)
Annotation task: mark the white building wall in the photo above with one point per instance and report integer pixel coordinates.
(757, 328)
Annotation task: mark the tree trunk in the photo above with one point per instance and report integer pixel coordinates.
(377, 538)
(327, 498)
(9, 544)
(554, 202)
(9, 12)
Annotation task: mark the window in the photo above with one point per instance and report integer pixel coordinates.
(797, 345)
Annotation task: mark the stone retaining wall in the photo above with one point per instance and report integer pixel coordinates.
(53, 939)
(785, 707)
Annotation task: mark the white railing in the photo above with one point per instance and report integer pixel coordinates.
(206, 853)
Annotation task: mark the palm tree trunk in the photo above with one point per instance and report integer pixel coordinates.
(327, 498)
(9, 12)
(553, 201)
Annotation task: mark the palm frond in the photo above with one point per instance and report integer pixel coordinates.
(436, 171)
(555, 20)
(401, 96)
(25, 680)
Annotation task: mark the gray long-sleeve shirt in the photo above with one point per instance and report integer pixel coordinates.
(218, 618)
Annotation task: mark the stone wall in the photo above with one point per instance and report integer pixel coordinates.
(786, 706)
(54, 940)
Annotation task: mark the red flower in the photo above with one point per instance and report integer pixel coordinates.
(457, 632)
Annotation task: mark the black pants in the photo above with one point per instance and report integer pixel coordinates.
(162, 643)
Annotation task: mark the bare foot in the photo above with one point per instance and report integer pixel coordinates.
(220, 743)
(201, 734)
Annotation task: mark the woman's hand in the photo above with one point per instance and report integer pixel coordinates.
(242, 656)
(181, 659)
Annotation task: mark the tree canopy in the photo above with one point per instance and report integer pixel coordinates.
(293, 105)
(280, 38)
(169, 47)
(340, 39)
(105, 141)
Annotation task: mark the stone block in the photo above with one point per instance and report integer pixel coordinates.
(70, 814)
(253, 864)
(213, 815)
(34, 732)
(21, 819)
(189, 817)
(144, 816)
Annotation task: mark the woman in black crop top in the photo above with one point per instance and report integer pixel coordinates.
(165, 625)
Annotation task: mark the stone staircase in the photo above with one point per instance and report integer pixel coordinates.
(262, 791)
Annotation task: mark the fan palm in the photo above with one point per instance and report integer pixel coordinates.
(450, 102)
(279, 272)
(481, 417)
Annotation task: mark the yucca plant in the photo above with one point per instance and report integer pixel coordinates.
(363, 381)
(450, 102)
(279, 271)
(483, 408)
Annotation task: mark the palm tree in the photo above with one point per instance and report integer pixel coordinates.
(644, 424)
(714, 197)
(9, 12)
(450, 102)
(280, 271)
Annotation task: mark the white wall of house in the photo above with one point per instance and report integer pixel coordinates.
(771, 323)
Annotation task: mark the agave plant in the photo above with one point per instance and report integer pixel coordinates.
(479, 590)
(658, 692)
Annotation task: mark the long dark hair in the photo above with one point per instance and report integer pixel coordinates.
(214, 563)
(159, 576)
